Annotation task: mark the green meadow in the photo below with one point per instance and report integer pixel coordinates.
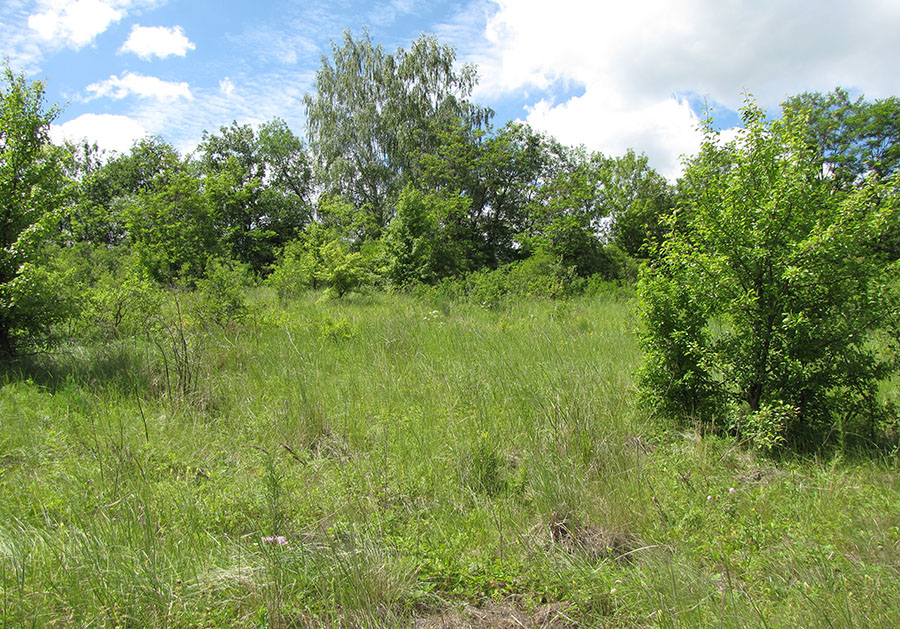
(388, 460)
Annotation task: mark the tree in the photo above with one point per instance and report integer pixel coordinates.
(30, 182)
(637, 199)
(423, 243)
(850, 138)
(259, 186)
(765, 302)
(172, 229)
(510, 185)
(373, 114)
(104, 189)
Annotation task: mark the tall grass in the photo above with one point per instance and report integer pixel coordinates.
(386, 460)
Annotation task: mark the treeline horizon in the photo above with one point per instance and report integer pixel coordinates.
(402, 180)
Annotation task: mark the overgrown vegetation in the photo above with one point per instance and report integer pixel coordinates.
(388, 460)
(388, 378)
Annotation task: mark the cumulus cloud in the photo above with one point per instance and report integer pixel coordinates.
(109, 132)
(634, 59)
(74, 22)
(140, 85)
(663, 129)
(158, 41)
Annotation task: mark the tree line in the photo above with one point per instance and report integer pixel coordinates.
(403, 180)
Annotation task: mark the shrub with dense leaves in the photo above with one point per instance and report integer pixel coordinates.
(30, 186)
(768, 292)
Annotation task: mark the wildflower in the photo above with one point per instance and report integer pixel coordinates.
(280, 540)
(731, 490)
(709, 497)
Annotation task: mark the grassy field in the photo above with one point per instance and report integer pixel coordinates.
(396, 461)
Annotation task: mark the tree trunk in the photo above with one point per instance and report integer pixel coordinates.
(6, 345)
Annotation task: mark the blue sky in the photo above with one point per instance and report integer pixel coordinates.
(609, 75)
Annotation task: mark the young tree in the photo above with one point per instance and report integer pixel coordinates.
(172, 229)
(765, 297)
(30, 182)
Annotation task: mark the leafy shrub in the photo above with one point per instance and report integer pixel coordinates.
(766, 292)
(541, 274)
(766, 428)
(321, 257)
(221, 293)
(342, 270)
(295, 270)
(486, 288)
(121, 301)
(336, 329)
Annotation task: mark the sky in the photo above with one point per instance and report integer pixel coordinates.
(607, 75)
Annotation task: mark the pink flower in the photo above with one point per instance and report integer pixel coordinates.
(281, 540)
(731, 490)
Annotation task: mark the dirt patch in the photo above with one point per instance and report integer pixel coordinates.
(760, 475)
(505, 615)
(596, 542)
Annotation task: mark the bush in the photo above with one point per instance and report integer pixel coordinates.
(30, 186)
(221, 292)
(766, 294)
(121, 301)
(296, 268)
(541, 274)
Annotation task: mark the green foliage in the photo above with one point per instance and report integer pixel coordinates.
(321, 257)
(103, 190)
(337, 328)
(296, 268)
(342, 270)
(638, 199)
(410, 241)
(120, 301)
(30, 185)
(259, 188)
(339, 216)
(222, 292)
(425, 241)
(766, 428)
(543, 274)
(766, 293)
(849, 138)
(575, 245)
(172, 229)
(373, 114)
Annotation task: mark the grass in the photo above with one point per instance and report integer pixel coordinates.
(386, 460)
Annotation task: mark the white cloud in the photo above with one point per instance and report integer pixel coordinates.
(633, 58)
(110, 132)
(663, 130)
(74, 22)
(140, 85)
(159, 41)
(226, 86)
